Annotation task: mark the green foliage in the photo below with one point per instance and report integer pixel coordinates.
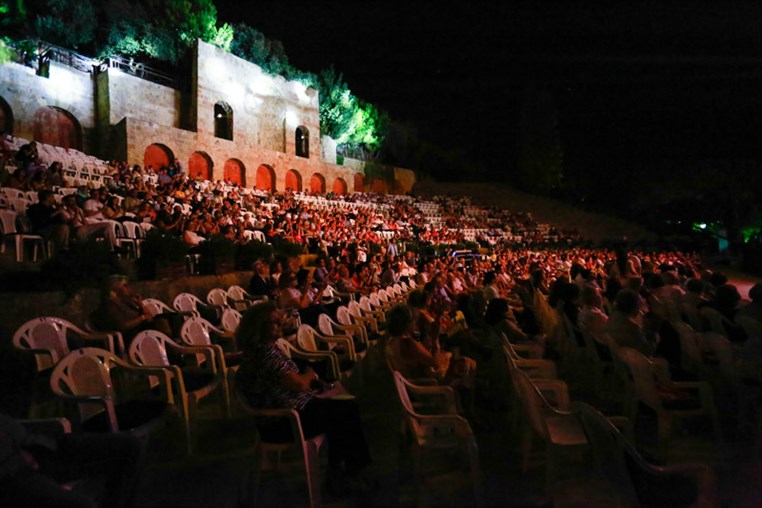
(13, 14)
(69, 23)
(223, 37)
(137, 37)
(251, 45)
(6, 52)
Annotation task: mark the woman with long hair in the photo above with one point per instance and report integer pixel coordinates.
(268, 378)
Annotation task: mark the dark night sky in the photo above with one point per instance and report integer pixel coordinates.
(646, 79)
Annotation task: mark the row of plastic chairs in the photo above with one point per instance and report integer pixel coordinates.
(47, 338)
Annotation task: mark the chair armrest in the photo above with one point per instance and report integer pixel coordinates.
(342, 340)
(558, 389)
(48, 426)
(332, 358)
(108, 337)
(541, 369)
(532, 351)
(431, 425)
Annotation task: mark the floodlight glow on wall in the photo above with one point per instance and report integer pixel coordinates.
(235, 92)
(63, 85)
(215, 68)
(292, 119)
(262, 85)
(301, 92)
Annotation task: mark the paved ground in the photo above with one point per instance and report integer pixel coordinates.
(217, 475)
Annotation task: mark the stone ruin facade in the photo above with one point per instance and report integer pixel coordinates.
(227, 120)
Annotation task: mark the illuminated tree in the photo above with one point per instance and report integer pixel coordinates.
(251, 45)
(69, 23)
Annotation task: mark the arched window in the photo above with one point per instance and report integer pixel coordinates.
(200, 166)
(6, 117)
(339, 186)
(302, 142)
(317, 183)
(235, 172)
(293, 180)
(223, 121)
(157, 156)
(265, 178)
(57, 127)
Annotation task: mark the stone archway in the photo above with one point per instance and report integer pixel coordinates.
(57, 127)
(265, 178)
(200, 166)
(235, 172)
(157, 156)
(293, 180)
(339, 186)
(6, 117)
(359, 182)
(317, 183)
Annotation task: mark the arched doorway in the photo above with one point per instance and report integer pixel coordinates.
(223, 120)
(235, 172)
(293, 180)
(157, 156)
(359, 182)
(380, 187)
(200, 166)
(317, 183)
(265, 178)
(6, 117)
(339, 186)
(302, 142)
(57, 127)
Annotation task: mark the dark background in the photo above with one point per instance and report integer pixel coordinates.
(646, 79)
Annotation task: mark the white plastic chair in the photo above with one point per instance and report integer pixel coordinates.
(230, 320)
(87, 378)
(218, 297)
(149, 349)
(9, 231)
(308, 448)
(441, 431)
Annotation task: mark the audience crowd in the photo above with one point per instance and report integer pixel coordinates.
(520, 281)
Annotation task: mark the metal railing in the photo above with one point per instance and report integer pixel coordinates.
(140, 70)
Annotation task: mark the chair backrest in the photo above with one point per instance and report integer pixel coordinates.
(608, 450)
(8, 221)
(133, 230)
(149, 348)
(156, 307)
(217, 296)
(237, 293)
(689, 344)
(355, 309)
(41, 333)
(343, 315)
(305, 337)
(325, 324)
(715, 319)
(195, 331)
(642, 371)
(404, 397)
(230, 320)
(751, 326)
(87, 372)
(186, 302)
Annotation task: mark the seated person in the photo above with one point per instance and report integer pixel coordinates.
(122, 311)
(625, 325)
(261, 283)
(270, 379)
(32, 465)
(301, 297)
(48, 220)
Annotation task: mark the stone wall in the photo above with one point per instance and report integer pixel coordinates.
(66, 88)
(121, 115)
